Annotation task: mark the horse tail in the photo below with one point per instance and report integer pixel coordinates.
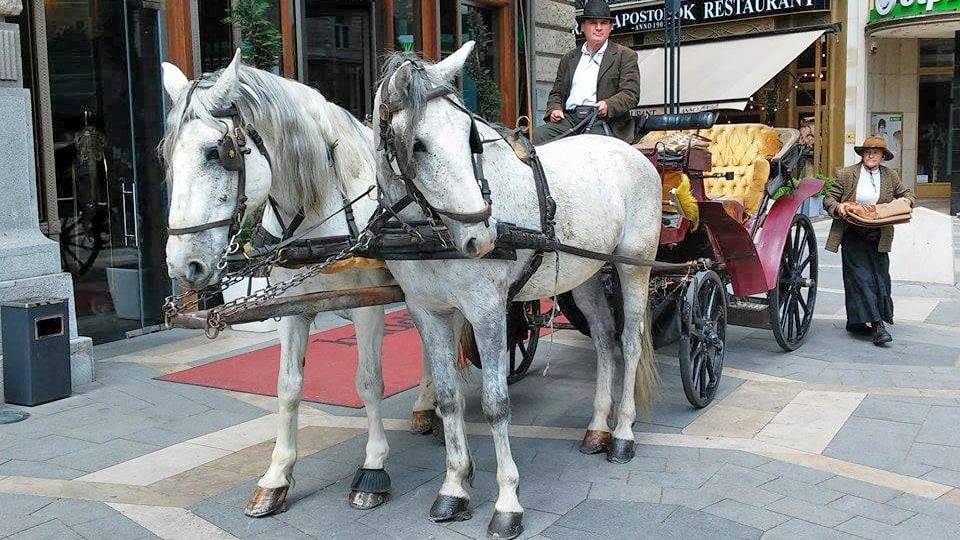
(647, 382)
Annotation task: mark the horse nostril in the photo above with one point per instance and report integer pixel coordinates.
(470, 249)
(195, 270)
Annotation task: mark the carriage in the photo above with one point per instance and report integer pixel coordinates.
(755, 257)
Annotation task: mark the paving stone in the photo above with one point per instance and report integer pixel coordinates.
(45, 448)
(104, 455)
(924, 526)
(868, 528)
(942, 510)
(870, 509)
(13, 523)
(814, 513)
(797, 529)
(16, 467)
(944, 476)
(743, 459)
(746, 514)
(534, 522)
(21, 505)
(881, 408)
(157, 436)
(618, 490)
(48, 530)
(889, 442)
(940, 427)
(73, 512)
(116, 527)
(232, 520)
(795, 472)
(947, 457)
(803, 491)
(553, 496)
(615, 519)
(686, 523)
(283, 533)
(404, 516)
(689, 480)
(731, 477)
(695, 499)
(556, 532)
(597, 469)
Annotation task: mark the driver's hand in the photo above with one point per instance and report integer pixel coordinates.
(602, 109)
(556, 115)
(842, 209)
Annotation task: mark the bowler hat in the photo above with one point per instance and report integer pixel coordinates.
(874, 143)
(595, 9)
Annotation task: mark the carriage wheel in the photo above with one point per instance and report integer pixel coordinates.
(703, 319)
(791, 302)
(523, 335)
(80, 243)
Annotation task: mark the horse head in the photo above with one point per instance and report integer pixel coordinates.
(423, 130)
(216, 172)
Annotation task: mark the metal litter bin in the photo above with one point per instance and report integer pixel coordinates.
(36, 350)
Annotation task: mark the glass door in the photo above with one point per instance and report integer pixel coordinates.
(338, 51)
(107, 120)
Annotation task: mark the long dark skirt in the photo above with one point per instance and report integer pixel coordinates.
(866, 277)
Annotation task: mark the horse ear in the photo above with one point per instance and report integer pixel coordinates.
(224, 91)
(448, 68)
(174, 81)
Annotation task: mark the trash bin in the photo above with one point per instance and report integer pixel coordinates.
(36, 350)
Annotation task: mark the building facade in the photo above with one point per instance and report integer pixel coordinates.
(904, 68)
(93, 69)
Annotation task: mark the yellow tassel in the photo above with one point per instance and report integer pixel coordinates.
(354, 263)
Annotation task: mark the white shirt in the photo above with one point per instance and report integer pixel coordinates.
(583, 90)
(868, 187)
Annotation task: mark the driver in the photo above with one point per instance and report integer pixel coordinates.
(600, 74)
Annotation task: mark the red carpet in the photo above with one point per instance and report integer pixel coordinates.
(331, 364)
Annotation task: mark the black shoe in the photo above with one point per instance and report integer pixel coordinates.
(860, 329)
(880, 334)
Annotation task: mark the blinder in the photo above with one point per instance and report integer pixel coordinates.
(228, 149)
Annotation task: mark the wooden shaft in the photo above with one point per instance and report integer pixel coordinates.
(304, 304)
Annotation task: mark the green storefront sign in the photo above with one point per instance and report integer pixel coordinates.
(885, 10)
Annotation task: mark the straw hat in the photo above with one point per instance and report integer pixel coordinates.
(874, 143)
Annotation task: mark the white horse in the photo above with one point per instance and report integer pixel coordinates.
(318, 154)
(608, 200)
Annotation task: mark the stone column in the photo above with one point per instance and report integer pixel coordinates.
(29, 261)
(553, 37)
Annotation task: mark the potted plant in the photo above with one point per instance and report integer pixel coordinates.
(260, 42)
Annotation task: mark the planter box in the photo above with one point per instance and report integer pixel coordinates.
(812, 207)
(245, 288)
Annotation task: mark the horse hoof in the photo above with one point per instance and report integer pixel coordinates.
(370, 488)
(448, 508)
(620, 450)
(421, 422)
(266, 501)
(595, 442)
(505, 525)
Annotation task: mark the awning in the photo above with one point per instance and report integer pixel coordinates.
(721, 74)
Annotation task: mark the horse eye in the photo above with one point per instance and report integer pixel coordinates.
(213, 155)
(418, 146)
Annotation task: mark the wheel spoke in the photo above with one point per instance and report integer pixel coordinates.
(703, 379)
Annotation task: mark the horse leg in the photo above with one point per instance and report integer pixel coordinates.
(491, 335)
(640, 378)
(270, 495)
(371, 483)
(440, 332)
(593, 304)
(424, 417)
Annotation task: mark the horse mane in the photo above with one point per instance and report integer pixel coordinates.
(410, 90)
(301, 129)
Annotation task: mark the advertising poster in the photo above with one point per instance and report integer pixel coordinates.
(890, 127)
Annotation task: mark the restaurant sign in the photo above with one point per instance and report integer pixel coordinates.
(884, 10)
(650, 17)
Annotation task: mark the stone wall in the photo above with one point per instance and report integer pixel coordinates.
(553, 21)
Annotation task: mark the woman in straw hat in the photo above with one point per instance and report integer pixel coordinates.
(866, 263)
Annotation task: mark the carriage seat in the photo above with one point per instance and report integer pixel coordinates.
(744, 149)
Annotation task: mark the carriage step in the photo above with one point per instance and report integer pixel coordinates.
(752, 313)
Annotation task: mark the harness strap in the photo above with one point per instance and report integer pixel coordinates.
(199, 228)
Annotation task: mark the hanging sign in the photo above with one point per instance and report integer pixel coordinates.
(883, 10)
(692, 12)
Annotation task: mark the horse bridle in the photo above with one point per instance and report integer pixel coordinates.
(232, 151)
(388, 144)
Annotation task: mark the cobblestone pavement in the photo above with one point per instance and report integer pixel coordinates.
(837, 440)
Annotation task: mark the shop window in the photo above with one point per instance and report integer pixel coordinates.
(933, 129)
(406, 20)
(216, 37)
(936, 53)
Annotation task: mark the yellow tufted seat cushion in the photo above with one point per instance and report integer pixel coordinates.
(744, 149)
